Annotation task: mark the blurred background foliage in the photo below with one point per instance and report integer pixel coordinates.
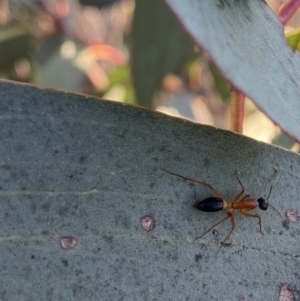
(125, 50)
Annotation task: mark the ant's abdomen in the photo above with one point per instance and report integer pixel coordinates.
(211, 204)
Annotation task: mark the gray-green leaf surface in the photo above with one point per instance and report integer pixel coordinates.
(77, 177)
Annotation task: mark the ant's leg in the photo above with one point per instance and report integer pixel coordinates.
(237, 176)
(231, 215)
(255, 216)
(243, 189)
(214, 190)
(216, 224)
(244, 198)
(276, 178)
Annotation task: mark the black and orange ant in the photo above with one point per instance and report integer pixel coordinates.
(241, 203)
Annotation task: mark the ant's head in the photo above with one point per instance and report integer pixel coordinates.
(263, 204)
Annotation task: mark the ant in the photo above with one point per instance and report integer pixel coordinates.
(244, 204)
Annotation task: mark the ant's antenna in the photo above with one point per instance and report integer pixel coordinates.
(276, 178)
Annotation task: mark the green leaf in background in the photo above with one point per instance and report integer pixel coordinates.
(15, 43)
(159, 47)
(293, 39)
(121, 77)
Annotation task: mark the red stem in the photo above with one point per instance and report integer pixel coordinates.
(237, 110)
(288, 10)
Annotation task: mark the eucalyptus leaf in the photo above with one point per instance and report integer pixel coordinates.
(87, 213)
(246, 41)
